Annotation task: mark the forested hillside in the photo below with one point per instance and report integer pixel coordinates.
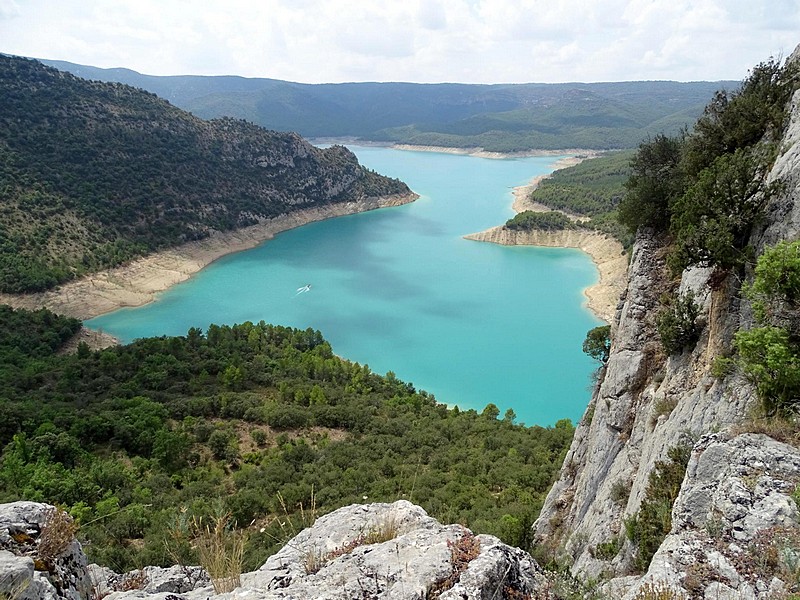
(503, 118)
(259, 421)
(93, 174)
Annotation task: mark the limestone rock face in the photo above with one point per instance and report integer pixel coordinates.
(359, 551)
(647, 403)
(59, 573)
(419, 558)
(735, 528)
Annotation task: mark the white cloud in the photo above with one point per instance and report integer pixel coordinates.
(8, 10)
(411, 40)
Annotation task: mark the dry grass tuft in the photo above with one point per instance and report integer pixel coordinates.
(784, 429)
(57, 533)
(387, 529)
(220, 549)
(658, 591)
(10, 589)
(462, 551)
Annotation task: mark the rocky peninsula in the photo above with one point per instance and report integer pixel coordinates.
(607, 253)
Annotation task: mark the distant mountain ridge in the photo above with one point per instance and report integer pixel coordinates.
(502, 117)
(93, 174)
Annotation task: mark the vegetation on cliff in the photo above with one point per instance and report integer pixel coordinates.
(707, 188)
(263, 419)
(769, 354)
(93, 174)
(592, 188)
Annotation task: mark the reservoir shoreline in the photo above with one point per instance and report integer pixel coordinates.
(607, 253)
(138, 282)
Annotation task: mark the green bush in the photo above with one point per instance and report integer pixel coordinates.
(770, 358)
(655, 182)
(775, 291)
(677, 324)
(608, 550)
(598, 343)
(769, 355)
(712, 220)
(707, 188)
(651, 524)
(546, 221)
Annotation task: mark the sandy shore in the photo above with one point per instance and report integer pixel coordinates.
(139, 282)
(607, 253)
(580, 154)
(522, 193)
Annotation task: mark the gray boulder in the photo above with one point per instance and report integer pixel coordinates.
(392, 551)
(346, 555)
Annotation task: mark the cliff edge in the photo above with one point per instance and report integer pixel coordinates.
(646, 405)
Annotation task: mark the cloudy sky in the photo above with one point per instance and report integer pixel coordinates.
(471, 41)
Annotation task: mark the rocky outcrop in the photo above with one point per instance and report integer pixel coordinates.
(359, 551)
(735, 528)
(647, 403)
(40, 558)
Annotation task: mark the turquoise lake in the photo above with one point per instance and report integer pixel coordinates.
(399, 289)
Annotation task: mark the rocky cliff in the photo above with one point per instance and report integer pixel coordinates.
(359, 551)
(737, 486)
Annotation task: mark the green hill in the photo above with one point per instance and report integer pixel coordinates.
(93, 174)
(507, 117)
(262, 422)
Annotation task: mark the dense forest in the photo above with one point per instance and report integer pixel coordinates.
(593, 189)
(259, 421)
(93, 174)
(501, 118)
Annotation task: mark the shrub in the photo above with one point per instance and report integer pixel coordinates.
(608, 550)
(621, 491)
(58, 531)
(653, 185)
(663, 407)
(742, 118)
(547, 221)
(770, 355)
(650, 525)
(775, 291)
(462, 551)
(771, 361)
(713, 219)
(677, 324)
(259, 437)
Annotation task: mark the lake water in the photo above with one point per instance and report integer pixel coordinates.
(401, 290)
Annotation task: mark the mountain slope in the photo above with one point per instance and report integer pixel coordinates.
(505, 117)
(93, 174)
